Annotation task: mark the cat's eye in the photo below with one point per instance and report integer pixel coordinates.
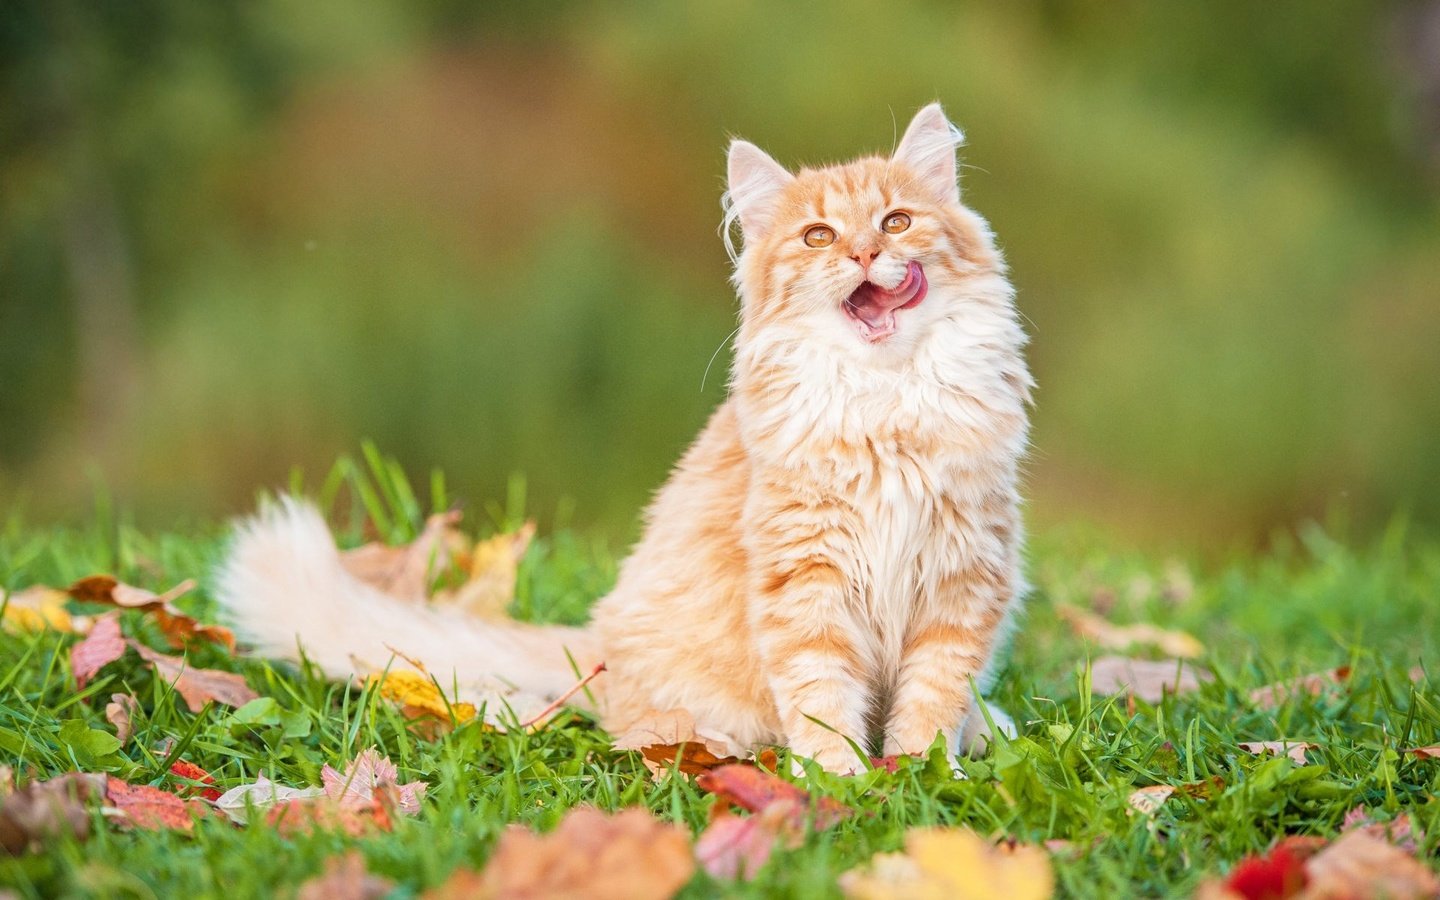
(896, 222)
(819, 236)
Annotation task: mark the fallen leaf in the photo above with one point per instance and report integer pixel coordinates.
(1431, 752)
(1277, 874)
(1358, 864)
(420, 699)
(953, 863)
(345, 878)
(178, 628)
(120, 712)
(889, 763)
(1150, 681)
(1399, 831)
(148, 808)
(406, 571)
(1312, 685)
(37, 608)
(626, 856)
(204, 788)
(662, 736)
(1204, 789)
(102, 646)
(262, 794)
(1119, 637)
(198, 686)
(368, 772)
(755, 790)
(1293, 749)
(309, 814)
(1148, 800)
(737, 847)
(494, 567)
(43, 811)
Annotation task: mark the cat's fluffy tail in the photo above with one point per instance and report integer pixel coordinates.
(285, 591)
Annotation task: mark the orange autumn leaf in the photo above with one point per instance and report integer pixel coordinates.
(953, 863)
(626, 856)
(1293, 749)
(178, 628)
(755, 789)
(736, 847)
(1120, 637)
(302, 816)
(1358, 864)
(149, 808)
(102, 646)
(198, 686)
(662, 737)
(205, 789)
(419, 698)
(1431, 752)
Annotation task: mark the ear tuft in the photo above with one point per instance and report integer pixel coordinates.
(754, 182)
(929, 147)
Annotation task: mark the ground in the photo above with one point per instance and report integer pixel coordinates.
(1308, 604)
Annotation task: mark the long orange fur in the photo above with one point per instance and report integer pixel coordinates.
(837, 555)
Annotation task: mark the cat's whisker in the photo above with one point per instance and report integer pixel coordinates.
(723, 342)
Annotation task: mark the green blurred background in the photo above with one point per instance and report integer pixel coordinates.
(237, 237)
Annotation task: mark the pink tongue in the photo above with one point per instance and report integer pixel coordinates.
(873, 304)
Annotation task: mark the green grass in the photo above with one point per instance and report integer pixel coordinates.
(1310, 603)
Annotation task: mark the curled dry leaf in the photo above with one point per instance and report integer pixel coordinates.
(368, 773)
(663, 736)
(1431, 752)
(356, 819)
(1293, 749)
(149, 808)
(953, 863)
(1148, 800)
(1120, 637)
(1312, 685)
(43, 811)
(37, 608)
(626, 856)
(1150, 681)
(102, 646)
(345, 878)
(120, 712)
(262, 794)
(406, 571)
(198, 686)
(179, 629)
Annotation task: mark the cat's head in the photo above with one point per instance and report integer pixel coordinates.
(865, 256)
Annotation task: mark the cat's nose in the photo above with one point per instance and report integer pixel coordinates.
(864, 256)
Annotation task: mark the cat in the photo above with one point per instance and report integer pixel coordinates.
(836, 558)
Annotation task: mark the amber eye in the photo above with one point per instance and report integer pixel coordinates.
(896, 222)
(819, 236)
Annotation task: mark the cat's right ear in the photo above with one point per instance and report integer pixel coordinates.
(753, 185)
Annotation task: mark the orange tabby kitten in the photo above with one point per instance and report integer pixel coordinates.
(837, 555)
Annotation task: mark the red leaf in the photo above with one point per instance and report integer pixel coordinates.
(755, 790)
(1276, 875)
(103, 645)
(148, 807)
(191, 772)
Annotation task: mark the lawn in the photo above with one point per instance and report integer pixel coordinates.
(1308, 604)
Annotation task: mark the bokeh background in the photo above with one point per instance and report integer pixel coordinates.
(239, 237)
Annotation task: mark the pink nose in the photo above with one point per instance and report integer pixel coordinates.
(864, 257)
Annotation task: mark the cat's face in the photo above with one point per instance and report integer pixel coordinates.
(865, 256)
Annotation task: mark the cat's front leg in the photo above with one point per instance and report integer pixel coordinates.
(950, 638)
(811, 649)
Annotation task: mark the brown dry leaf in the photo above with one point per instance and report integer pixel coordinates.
(179, 629)
(308, 814)
(406, 572)
(1120, 637)
(37, 608)
(368, 773)
(494, 564)
(345, 878)
(1293, 749)
(1399, 831)
(627, 856)
(198, 686)
(148, 808)
(120, 712)
(952, 863)
(755, 789)
(419, 698)
(662, 735)
(42, 811)
(1150, 681)
(1313, 685)
(102, 646)
(1148, 800)
(1358, 864)
(1431, 752)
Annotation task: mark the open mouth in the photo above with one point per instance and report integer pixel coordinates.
(873, 307)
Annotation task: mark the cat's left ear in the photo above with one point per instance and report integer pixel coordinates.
(929, 147)
(753, 185)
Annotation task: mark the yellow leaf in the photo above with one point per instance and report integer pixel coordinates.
(494, 563)
(419, 696)
(37, 608)
(953, 863)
